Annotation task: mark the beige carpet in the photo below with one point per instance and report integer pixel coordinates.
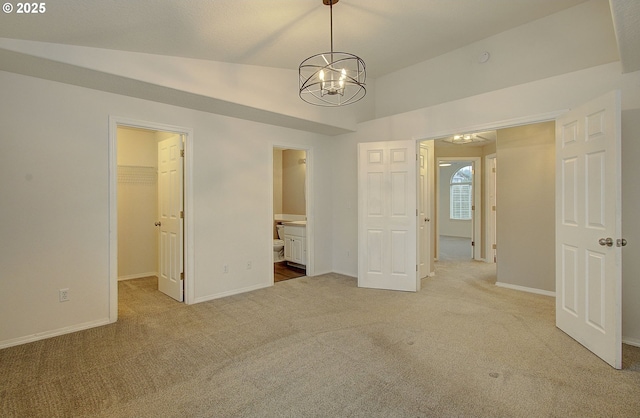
(321, 347)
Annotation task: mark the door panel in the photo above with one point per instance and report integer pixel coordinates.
(387, 229)
(425, 188)
(588, 205)
(170, 198)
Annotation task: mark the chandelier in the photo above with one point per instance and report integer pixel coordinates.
(332, 78)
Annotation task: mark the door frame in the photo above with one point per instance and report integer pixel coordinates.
(309, 205)
(477, 203)
(490, 215)
(486, 126)
(188, 239)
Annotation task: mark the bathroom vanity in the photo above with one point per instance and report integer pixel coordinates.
(295, 242)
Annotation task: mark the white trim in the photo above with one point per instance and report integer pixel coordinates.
(189, 262)
(526, 289)
(309, 202)
(232, 292)
(137, 276)
(629, 341)
(54, 333)
(492, 126)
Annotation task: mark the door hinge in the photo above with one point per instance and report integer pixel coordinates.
(473, 243)
(493, 170)
(473, 207)
(416, 267)
(181, 214)
(182, 276)
(182, 153)
(493, 208)
(494, 246)
(416, 212)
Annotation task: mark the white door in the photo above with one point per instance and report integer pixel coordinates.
(425, 183)
(387, 213)
(170, 210)
(588, 213)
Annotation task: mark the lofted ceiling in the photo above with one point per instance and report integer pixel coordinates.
(388, 35)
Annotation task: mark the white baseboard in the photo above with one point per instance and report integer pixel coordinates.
(355, 276)
(138, 276)
(231, 293)
(54, 333)
(631, 341)
(526, 289)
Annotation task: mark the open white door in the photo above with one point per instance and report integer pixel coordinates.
(387, 213)
(170, 210)
(425, 198)
(588, 223)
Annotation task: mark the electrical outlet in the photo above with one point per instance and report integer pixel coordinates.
(63, 295)
(248, 265)
(225, 268)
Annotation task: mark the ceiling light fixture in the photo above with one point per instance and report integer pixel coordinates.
(332, 78)
(465, 139)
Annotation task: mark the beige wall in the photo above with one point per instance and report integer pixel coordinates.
(293, 182)
(631, 226)
(137, 203)
(526, 206)
(277, 180)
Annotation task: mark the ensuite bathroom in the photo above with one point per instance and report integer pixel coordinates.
(290, 213)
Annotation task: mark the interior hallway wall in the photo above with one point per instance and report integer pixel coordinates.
(294, 176)
(57, 224)
(277, 181)
(525, 217)
(631, 226)
(137, 203)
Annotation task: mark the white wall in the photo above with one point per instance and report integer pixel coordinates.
(574, 39)
(55, 227)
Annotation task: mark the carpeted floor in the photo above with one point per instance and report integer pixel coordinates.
(321, 347)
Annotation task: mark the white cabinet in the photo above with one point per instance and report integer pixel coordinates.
(295, 244)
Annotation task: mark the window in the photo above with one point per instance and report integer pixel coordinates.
(461, 194)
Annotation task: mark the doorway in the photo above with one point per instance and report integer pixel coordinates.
(290, 226)
(141, 244)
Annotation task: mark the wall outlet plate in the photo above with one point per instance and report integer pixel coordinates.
(63, 295)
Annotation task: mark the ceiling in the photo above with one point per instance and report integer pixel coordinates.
(388, 35)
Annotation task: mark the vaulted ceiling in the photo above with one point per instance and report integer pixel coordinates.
(389, 35)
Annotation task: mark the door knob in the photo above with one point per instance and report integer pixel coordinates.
(606, 242)
(158, 223)
(621, 242)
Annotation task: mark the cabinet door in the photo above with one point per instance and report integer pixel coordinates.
(288, 248)
(297, 251)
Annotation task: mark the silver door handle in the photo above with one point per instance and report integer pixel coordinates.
(158, 223)
(606, 242)
(621, 242)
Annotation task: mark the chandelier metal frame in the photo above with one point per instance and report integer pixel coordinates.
(332, 78)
